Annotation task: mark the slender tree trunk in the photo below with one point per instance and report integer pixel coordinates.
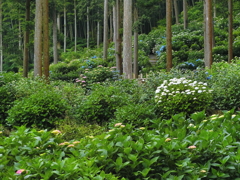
(26, 41)
(98, 33)
(75, 26)
(230, 30)
(169, 34)
(118, 47)
(209, 34)
(105, 29)
(135, 69)
(46, 38)
(176, 11)
(1, 47)
(55, 49)
(58, 29)
(65, 29)
(127, 39)
(88, 27)
(111, 27)
(114, 23)
(185, 14)
(19, 35)
(214, 9)
(38, 39)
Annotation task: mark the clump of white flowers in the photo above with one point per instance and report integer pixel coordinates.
(182, 95)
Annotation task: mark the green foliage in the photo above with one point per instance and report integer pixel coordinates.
(182, 95)
(7, 96)
(72, 130)
(225, 84)
(198, 147)
(97, 75)
(42, 109)
(8, 77)
(100, 105)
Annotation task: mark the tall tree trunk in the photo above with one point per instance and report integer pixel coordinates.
(19, 35)
(75, 26)
(98, 33)
(209, 34)
(185, 14)
(26, 40)
(1, 47)
(65, 29)
(58, 29)
(88, 27)
(127, 39)
(214, 9)
(118, 47)
(135, 68)
(230, 30)
(176, 11)
(46, 38)
(55, 43)
(38, 39)
(111, 27)
(169, 34)
(105, 30)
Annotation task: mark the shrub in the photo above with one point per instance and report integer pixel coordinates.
(225, 84)
(42, 109)
(9, 77)
(7, 96)
(182, 95)
(99, 106)
(97, 75)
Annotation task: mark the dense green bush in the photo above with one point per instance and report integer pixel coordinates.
(42, 109)
(9, 77)
(225, 84)
(7, 96)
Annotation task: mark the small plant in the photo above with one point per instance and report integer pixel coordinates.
(182, 95)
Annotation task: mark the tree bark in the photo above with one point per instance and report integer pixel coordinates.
(105, 30)
(26, 40)
(75, 26)
(88, 27)
(46, 38)
(169, 34)
(55, 43)
(185, 14)
(127, 39)
(209, 34)
(135, 68)
(65, 29)
(118, 47)
(38, 39)
(176, 11)
(1, 47)
(230, 30)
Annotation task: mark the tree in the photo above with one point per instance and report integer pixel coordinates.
(230, 30)
(176, 11)
(26, 40)
(1, 52)
(169, 34)
(38, 39)
(208, 33)
(41, 39)
(127, 39)
(105, 30)
(185, 17)
(55, 39)
(135, 68)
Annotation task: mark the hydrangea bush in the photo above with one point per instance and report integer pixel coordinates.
(182, 95)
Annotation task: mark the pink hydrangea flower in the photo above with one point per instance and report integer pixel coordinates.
(20, 171)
